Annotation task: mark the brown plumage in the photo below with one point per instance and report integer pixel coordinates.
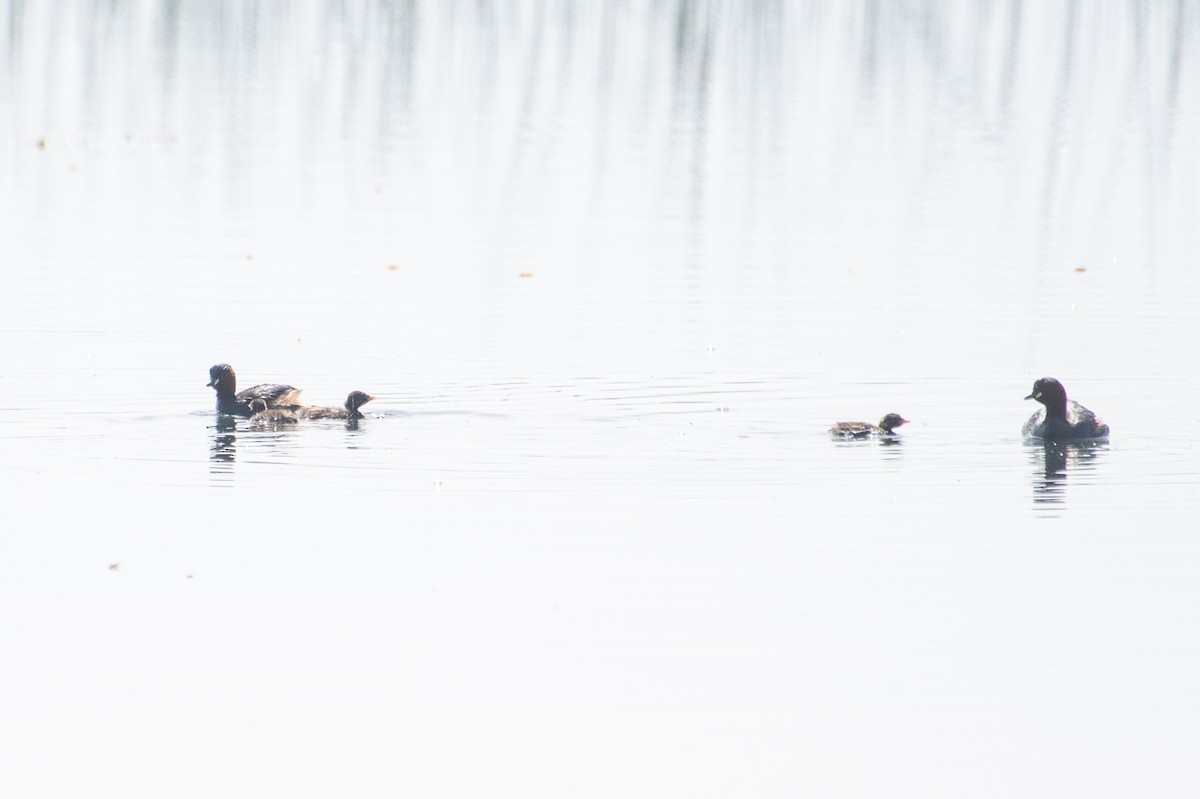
(264, 415)
(354, 401)
(886, 427)
(223, 380)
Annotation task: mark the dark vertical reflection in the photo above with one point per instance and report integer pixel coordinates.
(170, 41)
(531, 73)
(734, 110)
(1008, 69)
(1141, 100)
(699, 125)
(1053, 462)
(393, 121)
(1060, 106)
(222, 450)
(605, 82)
(13, 57)
(1168, 152)
(693, 46)
(869, 44)
(1175, 62)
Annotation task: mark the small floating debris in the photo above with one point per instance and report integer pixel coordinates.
(1081, 269)
(525, 274)
(392, 267)
(114, 567)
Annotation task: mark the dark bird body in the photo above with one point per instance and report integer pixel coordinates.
(223, 380)
(1061, 419)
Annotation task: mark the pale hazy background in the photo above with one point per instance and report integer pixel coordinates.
(611, 269)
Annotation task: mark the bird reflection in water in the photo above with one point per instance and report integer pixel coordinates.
(224, 442)
(1053, 460)
(223, 450)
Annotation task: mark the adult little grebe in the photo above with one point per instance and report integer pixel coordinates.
(237, 403)
(1061, 419)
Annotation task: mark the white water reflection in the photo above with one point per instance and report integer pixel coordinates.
(611, 270)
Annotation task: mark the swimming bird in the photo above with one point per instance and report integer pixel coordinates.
(354, 401)
(237, 403)
(886, 427)
(265, 415)
(1061, 419)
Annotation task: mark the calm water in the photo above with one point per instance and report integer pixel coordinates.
(611, 270)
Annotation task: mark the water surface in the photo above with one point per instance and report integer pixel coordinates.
(611, 271)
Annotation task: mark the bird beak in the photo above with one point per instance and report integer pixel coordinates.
(213, 383)
(370, 399)
(903, 420)
(1033, 396)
